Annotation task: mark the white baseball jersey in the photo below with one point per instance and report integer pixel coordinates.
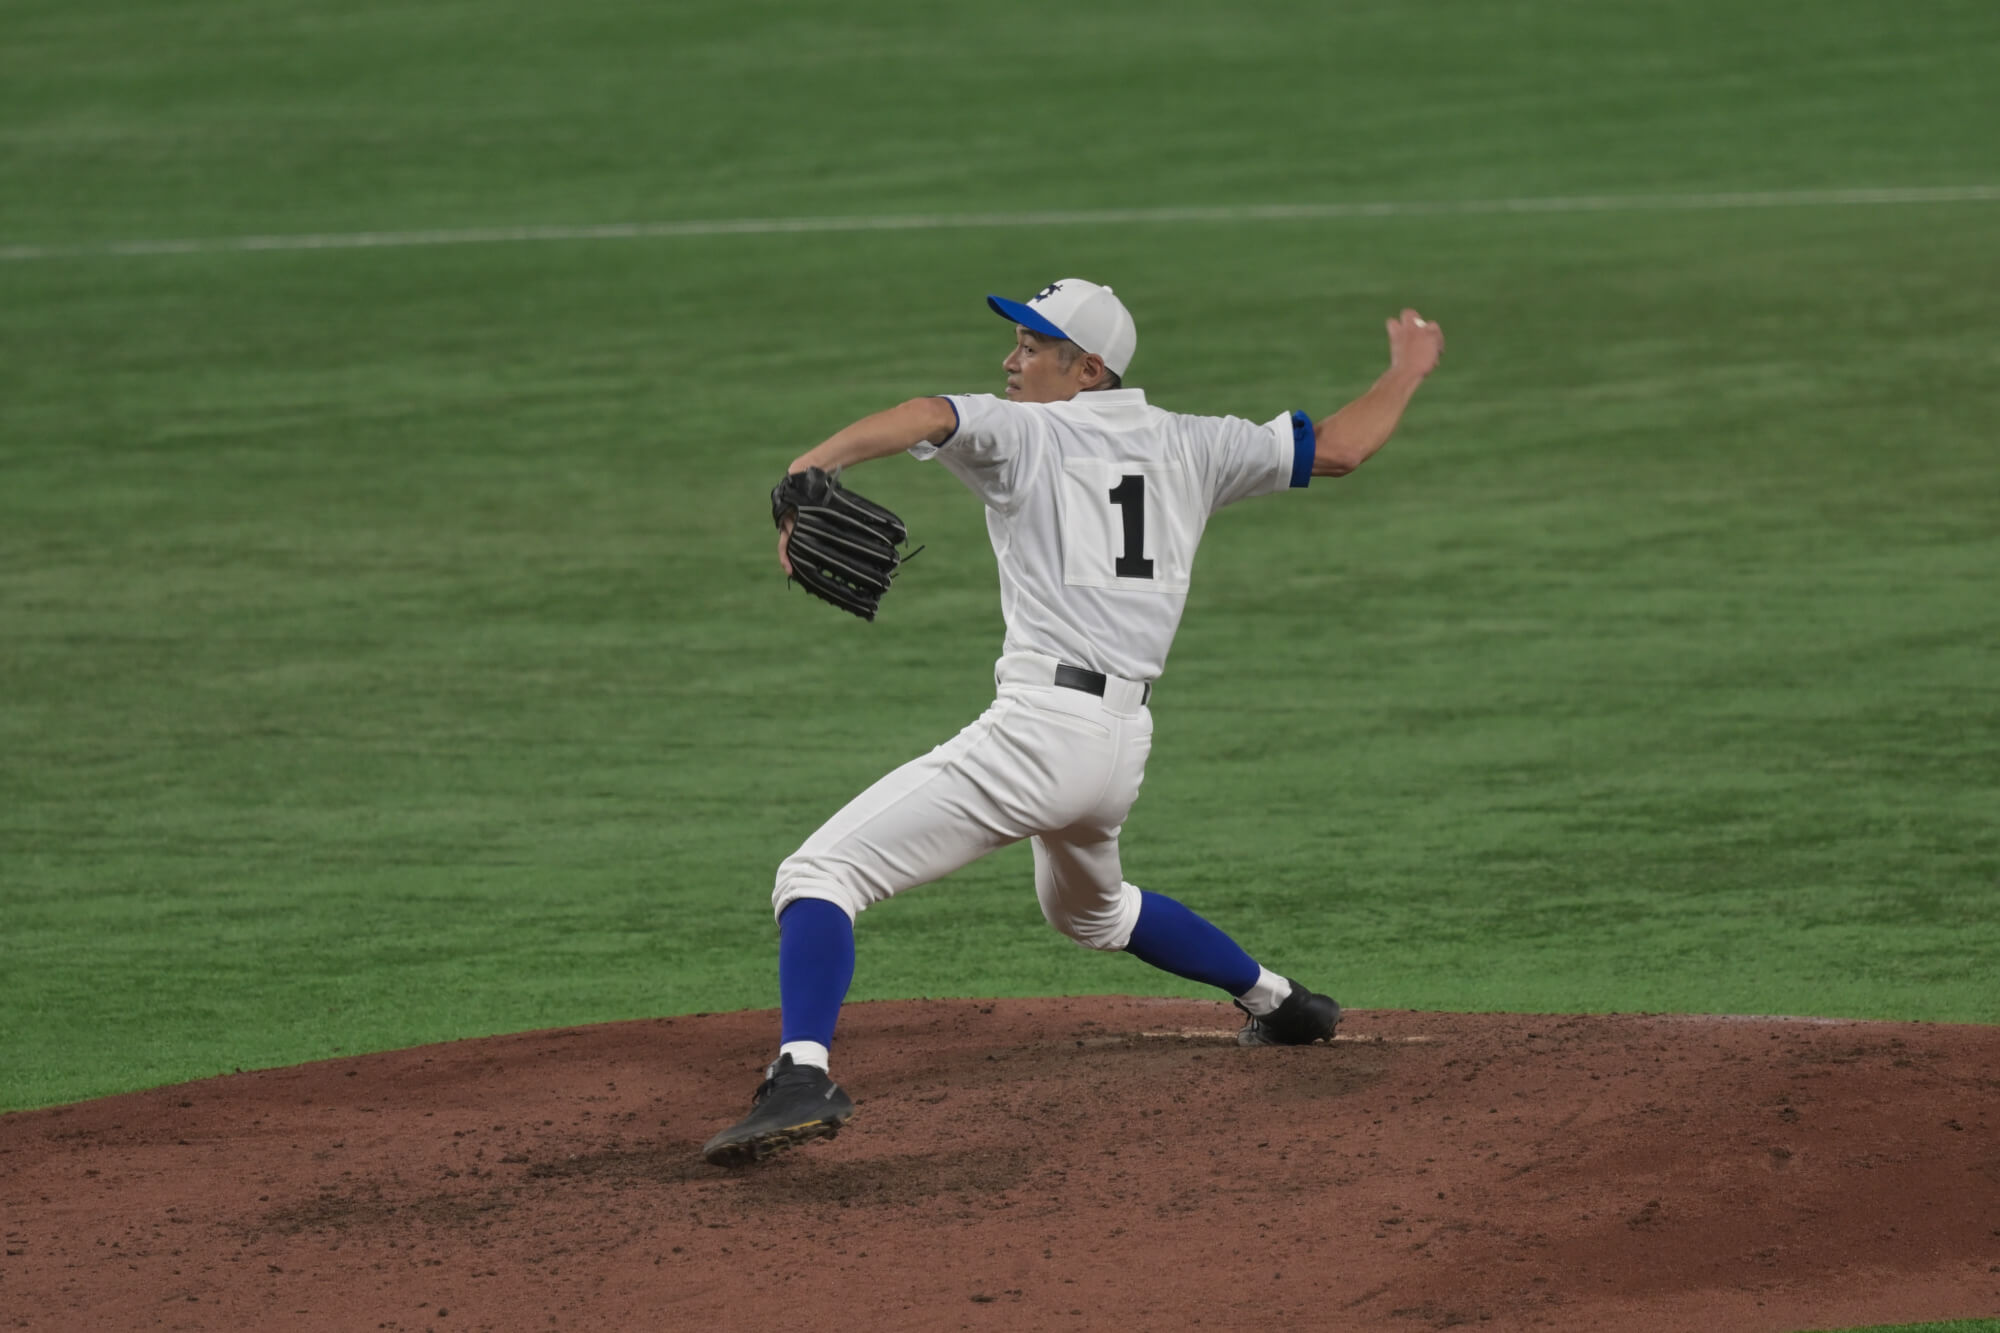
(1095, 507)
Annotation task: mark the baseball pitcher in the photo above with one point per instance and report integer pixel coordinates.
(1095, 503)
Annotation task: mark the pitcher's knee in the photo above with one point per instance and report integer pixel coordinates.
(806, 877)
(1107, 926)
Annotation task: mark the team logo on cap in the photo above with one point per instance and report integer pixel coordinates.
(1049, 290)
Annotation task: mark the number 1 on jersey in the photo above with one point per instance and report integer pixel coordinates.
(1130, 497)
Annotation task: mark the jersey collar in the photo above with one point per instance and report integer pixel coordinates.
(1110, 399)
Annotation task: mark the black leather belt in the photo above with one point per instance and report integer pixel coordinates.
(1092, 682)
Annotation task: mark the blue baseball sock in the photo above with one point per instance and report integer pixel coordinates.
(1176, 940)
(815, 968)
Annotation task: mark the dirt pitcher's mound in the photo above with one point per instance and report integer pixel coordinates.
(1041, 1164)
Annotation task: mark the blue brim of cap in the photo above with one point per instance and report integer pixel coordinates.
(1025, 317)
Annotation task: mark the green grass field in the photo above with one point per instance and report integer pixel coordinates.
(391, 648)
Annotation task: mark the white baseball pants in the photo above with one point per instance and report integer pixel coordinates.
(1046, 762)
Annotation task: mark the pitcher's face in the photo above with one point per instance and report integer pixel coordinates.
(1035, 369)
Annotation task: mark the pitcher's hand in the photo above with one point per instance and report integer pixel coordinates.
(1415, 344)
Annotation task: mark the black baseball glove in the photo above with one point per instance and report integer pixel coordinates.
(843, 547)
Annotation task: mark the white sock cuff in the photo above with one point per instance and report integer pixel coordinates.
(806, 1053)
(1270, 991)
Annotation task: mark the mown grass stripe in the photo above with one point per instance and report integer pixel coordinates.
(626, 231)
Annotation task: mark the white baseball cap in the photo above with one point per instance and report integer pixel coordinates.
(1083, 312)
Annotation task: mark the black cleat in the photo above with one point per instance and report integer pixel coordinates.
(1301, 1020)
(795, 1104)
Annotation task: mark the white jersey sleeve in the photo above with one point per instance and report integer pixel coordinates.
(985, 450)
(1240, 459)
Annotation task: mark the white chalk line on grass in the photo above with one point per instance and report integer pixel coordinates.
(627, 231)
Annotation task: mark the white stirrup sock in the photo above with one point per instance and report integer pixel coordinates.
(1270, 991)
(806, 1053)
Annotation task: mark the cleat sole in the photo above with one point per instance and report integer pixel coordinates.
(751, 1149)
